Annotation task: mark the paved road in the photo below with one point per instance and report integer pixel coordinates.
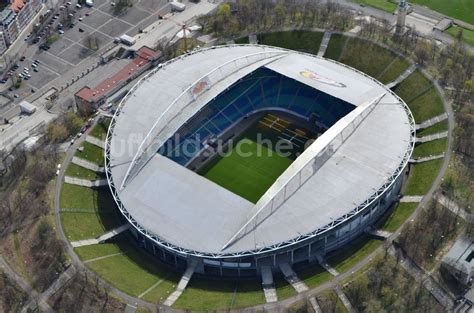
(19, 131)
(42, 299)
(331, 284)
(420, 25)
(70, 250)
(23, 284)
(343, 276)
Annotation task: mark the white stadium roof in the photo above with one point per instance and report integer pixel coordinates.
(188, 211)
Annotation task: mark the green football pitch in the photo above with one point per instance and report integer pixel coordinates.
(248, 170)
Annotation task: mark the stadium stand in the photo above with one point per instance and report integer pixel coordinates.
(259, 91)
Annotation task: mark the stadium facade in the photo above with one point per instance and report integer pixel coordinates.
(333, 192)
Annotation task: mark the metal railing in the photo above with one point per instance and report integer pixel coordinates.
(273, 247)
(307, 164)
(150, 145)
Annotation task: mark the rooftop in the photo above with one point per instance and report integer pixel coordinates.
(462, 253)
(143, 57)
(181, 207)
(17, 5)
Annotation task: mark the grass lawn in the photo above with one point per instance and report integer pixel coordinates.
(100, 129)
(77, 197)
(300, 40)
(426, 106)
(393, 71)
(386, 5)
(330, 296)
(91, 153)
(85, 225)
(436, 128)
(79, 226)
(203, 295)
(249, 293)
(283, 289)
(413, 86)
(135, 271)
(74, 170)
(335, 46)
(250, 173)
(459, 9)
(468, 35)
(434, 147)
(422, 176)
(345, 258)
(355, 54)
(314, 275)
(96, 251)
(399, 215)
(243, 40)
(206, 294)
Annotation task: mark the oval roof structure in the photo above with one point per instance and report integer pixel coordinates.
(364, 153)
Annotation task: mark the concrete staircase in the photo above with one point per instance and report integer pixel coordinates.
(402, 77)
(411, 199)
(382, 234)
(344, 299)
(315, 305)
(426, 159)
(182, 283)
(268, 285)
(108, 235)
(95, 141)
(432, 121)
(85, 182)
(292, 278)
(88, 165)
(324, 44)
(432, 137)
(326, 265)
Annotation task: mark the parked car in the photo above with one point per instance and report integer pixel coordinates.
(81, 30)
(22, 58)
(61, 31)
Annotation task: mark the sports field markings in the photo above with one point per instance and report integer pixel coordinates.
(103, 257)
(153, 286)
(248, 176)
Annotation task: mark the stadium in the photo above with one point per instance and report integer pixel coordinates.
(348, 142)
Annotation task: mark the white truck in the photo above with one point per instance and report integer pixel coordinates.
(177, 6)
(128, 40)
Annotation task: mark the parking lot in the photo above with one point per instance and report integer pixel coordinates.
(97, 29)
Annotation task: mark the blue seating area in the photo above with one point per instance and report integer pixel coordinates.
(260, 90)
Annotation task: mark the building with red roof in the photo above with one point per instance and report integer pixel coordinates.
(88, 99)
